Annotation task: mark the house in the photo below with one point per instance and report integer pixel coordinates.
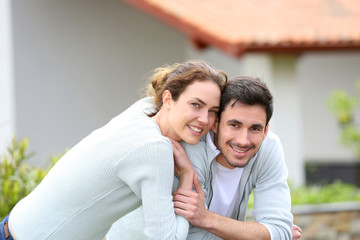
(68, 67)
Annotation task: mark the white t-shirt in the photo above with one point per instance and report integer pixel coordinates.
(226, 192)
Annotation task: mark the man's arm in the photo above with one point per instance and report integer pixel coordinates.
(228, 228)
(191, 205)
(272, 202)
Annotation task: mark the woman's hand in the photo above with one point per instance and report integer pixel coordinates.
(181, 160)
(183, 167)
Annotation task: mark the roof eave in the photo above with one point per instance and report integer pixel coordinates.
(201, 39)
(239, 49)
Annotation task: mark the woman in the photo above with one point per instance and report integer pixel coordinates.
(125, 164)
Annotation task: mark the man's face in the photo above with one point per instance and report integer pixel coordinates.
(240, 133)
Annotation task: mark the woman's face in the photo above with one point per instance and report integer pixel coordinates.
(195, 111)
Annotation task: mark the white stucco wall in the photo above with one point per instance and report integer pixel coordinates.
(7, 112)
(218, 59)
(287, 120)
(80, 63)
(319, 74)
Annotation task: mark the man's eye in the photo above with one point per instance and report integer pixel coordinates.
(234, 125)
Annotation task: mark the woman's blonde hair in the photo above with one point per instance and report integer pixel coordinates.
(177, 77)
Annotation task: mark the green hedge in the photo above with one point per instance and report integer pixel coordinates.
(330, 193)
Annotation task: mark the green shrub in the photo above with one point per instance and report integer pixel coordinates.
(342, 106)
(330, 193)
(16, 178)
(335, 192)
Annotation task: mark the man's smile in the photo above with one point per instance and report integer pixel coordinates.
(239, 149)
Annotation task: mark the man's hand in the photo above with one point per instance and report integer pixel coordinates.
(296, 232)
(191, 205)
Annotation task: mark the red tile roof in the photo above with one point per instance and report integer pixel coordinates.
(238, 26)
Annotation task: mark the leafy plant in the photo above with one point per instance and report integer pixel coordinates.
(330, 193)
(17, 179)
(342, 107)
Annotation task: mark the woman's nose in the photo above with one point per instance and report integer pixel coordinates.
(204, 117)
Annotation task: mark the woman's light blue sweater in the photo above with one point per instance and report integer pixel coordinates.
(114, 170)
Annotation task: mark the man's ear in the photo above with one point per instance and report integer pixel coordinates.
(266, 130)
(215, 127)
(166, 99)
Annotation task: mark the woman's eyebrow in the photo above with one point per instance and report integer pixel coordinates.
(201, 101)
(204, 103)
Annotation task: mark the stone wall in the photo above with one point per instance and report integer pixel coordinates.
(336, 221)
(339, 221)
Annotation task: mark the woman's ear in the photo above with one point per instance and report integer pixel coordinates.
(166, 99)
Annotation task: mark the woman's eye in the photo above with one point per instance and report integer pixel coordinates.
(213, 112)
(196, 105)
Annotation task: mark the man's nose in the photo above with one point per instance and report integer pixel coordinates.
(242, 137)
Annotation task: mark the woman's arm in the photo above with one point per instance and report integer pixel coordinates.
(191, 205)
(148, 170)
(183, 167)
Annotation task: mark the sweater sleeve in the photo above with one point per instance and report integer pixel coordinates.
(149, 171)
(272, 201)
(198, 157)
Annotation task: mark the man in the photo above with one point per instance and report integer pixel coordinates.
(251, 158)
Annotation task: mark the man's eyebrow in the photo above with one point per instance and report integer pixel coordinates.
(234, 121)
(204, 103)
(258, 125)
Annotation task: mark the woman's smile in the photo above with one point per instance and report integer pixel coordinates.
(195, 130)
